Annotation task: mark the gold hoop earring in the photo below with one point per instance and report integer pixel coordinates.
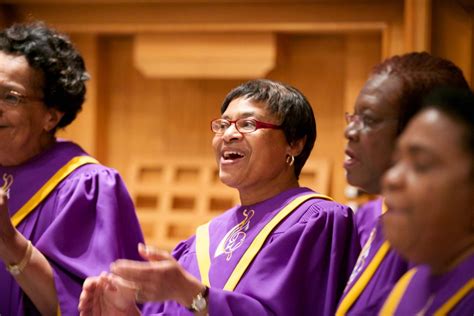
(290, 160)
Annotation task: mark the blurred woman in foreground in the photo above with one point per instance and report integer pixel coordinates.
(430, 195)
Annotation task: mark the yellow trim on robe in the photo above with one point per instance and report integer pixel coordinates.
(384, 207)
(396, 295)
(202, 252)
(358, 287)
(49, 186)
(443, 310)
(363, 280)
(393, 300)
(202, 237)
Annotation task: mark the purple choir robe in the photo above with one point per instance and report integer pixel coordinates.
(366, 218)
(300, 270)
(374, 288)
(429, 294)
(87, 222)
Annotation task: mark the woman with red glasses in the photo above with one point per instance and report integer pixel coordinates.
(285, 250)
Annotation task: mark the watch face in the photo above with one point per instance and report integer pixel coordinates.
(200, 304)
(15, 270)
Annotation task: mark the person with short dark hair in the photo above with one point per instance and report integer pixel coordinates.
(389, 98)
(430, 193)
(60, 210)
(285, 250)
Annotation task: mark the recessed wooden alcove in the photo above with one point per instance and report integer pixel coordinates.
(205, 55)
(170, 209)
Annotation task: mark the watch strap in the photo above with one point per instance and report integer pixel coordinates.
(16, 269)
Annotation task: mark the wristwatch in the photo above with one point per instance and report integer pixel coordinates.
(17, 269)
(199, 303)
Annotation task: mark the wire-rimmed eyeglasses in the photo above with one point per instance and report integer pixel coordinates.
(363, 121)
(12, 98)
(243, 125)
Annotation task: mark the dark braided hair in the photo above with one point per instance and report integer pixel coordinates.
(419, 73)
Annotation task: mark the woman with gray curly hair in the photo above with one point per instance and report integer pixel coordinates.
(58, 206)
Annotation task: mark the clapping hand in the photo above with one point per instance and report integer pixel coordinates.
(158, 279)
(107, 294)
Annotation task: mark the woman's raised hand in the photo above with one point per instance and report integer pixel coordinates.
(7, 231)
(160, 278)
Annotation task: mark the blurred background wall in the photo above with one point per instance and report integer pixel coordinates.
(161, 68)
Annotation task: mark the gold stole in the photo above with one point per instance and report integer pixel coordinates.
(49, 186)
(391, 304)
(202, 243)
(46, 189)
(359, 286)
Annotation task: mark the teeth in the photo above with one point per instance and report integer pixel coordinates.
(232, 154)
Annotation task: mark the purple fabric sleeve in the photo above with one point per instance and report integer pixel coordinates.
(95, 224)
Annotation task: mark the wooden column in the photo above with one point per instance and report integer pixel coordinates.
(418, 25)
(453, 34)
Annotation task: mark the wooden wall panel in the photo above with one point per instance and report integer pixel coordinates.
(393, 39)
(204, 55)
(452, 35)
(315, 65)
(418, 25)
(362, 53)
